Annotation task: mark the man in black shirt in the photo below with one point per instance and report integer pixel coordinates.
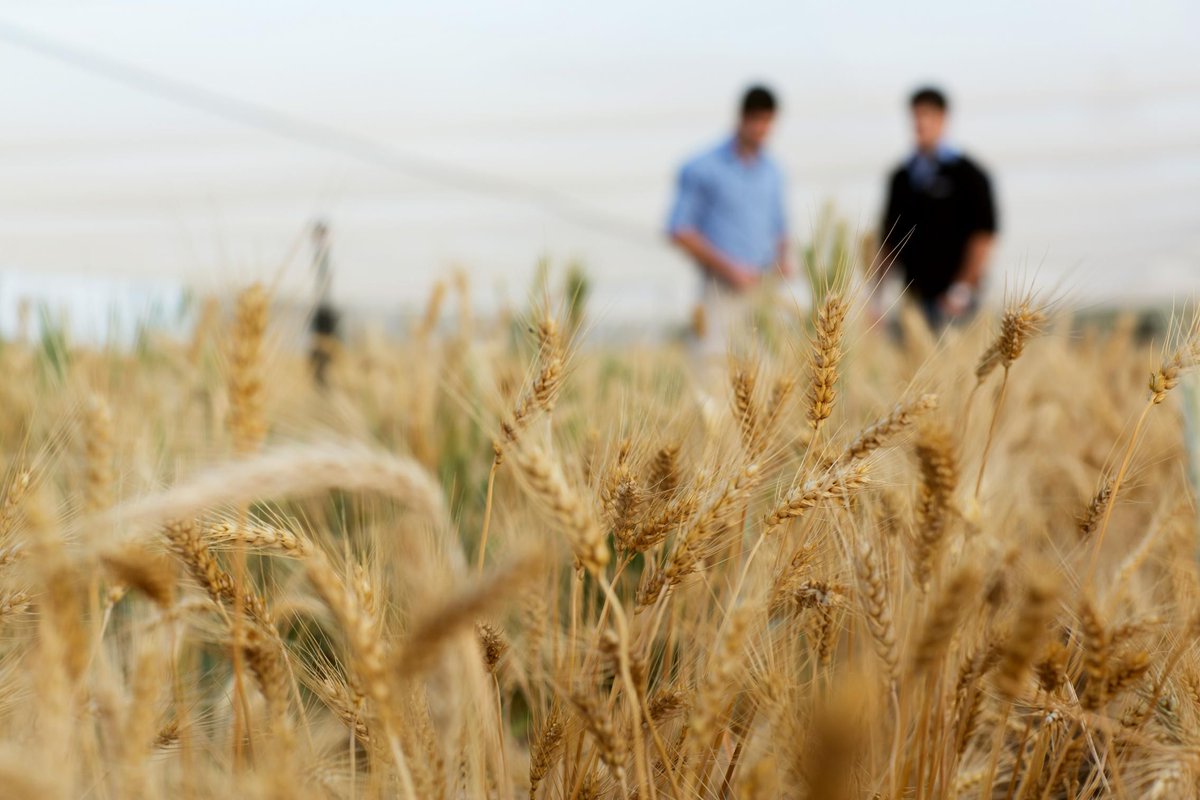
(940, 221)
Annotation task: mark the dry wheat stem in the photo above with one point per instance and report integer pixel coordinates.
(487, 514)
(894, 645)
(1116, 488)
(876, 435)
(294, 471)
(545, 479)
(991, 435)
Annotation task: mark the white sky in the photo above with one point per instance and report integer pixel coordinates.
(1087, 112)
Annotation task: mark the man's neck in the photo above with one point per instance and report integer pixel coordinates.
(938, 151)
(744, 150)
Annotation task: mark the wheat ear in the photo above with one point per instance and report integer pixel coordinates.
(824, 357)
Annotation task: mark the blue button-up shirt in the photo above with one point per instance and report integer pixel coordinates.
(736, 204)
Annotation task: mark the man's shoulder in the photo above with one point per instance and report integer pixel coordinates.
(899, 171)
(707, 158)
(967, 165)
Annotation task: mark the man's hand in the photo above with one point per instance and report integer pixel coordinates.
(956, 301)
(783, 260)
(714, 261)
(743, 280)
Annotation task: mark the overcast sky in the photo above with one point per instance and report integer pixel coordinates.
(1087, 112)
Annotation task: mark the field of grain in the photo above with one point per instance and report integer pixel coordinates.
(489, 561)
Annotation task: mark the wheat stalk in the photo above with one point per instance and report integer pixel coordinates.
(546, 482)
(824, 357)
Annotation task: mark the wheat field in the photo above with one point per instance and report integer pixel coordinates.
(490, 560)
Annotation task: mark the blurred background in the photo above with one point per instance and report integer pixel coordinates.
(148, 147)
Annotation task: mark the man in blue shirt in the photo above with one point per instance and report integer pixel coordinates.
(729, 213)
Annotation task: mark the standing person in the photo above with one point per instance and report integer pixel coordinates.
(729, 218)
(325, 316)
(940, 222)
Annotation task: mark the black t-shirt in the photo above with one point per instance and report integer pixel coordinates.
(926, 228)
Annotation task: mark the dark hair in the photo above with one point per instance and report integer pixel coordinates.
(758, 99)
(931, 96)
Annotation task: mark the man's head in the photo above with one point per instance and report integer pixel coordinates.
(756, 117)
(929, 107)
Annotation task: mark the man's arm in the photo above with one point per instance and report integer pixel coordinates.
(978, 249)
(975, 259)
(684, 228)
(979, 245)
(891, 238)
(783, 258)
(711, 259)
(886, 249)
(783, 264)
(958, 298)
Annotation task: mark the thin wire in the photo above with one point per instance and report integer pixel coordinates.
(316, 134)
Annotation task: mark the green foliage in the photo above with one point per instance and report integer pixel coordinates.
(576, 289)
(53, 353)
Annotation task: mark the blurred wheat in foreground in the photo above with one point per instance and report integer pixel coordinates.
(487, 562)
